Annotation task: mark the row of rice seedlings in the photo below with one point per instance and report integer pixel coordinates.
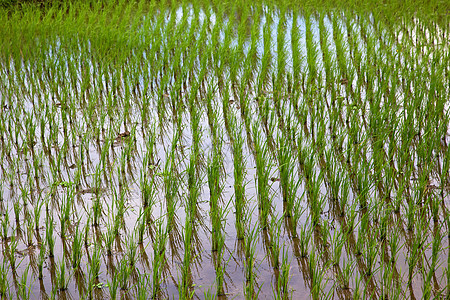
(263, 167)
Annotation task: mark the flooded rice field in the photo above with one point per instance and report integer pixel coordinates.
(190, 150)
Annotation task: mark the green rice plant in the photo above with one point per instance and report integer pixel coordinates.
(171, 182)
(141, 224)
(416, 249)
(275, 247)
(284, 277)
(142, 287)
(289, 186)
(220, 266)
(384, 224)
(123, 274)
(62, 278)
(95, 263)
(37, 214)
(65, 214)
(185, 287)
(317, 201)
(131, 250)
(304, 240)
(5, 224)
(158, 258)
(24, 290)
(40, 261)
(11, 248)
(411, 214)
(317, 276)
(347, 272)
(4, 282)
(77, 247)
(325, 232)
(387, 276)
(50, 241)
(266, 59)
(148, 188)
(435, 251)
(109, 236)
(338, 243)
(250, 264)
(370, 255)
(113, 286)
(86, 228)
(17, 209)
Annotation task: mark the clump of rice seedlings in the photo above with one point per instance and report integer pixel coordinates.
(113, 286)
(77, 247)
(215, 189)
(282, 287)
(94, 269)
(131, 250)
(142, 287)
(124, 273)
(109, 236)
(141, 225)
(95, 263)
(346, 274)
(24, 290)
(11, 248)
(275, 247)
(317, 277)
(147, 183)
(416, 249)
(62, 277)
(289, 185)
(250, 286)
(5, 224)
(4, 282)
(159, 246)
(194, 185)
(50, 241)
(317, 201)
(338, 243)
(65, 214)
(370, 255)
(304, 240)
(185, 286)
(37, 214)
(40, 261)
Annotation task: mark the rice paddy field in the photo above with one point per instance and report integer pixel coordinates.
(224, 150)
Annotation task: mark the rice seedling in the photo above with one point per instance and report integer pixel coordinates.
(4, 285)
(62, 278)
(123, 274)
(283, 279)
(77, 248)
(40, 261)
(24, 290)
(185, 287)
(250, 265)
(113, 286)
